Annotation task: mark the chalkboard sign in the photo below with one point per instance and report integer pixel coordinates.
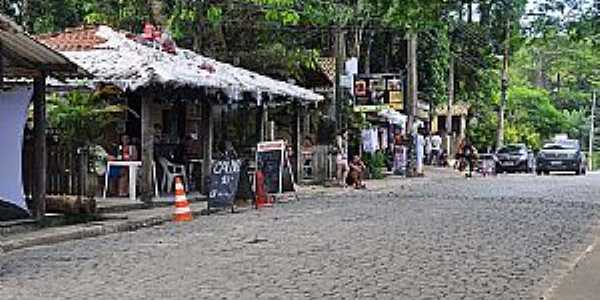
(269, 157)
(223, 183)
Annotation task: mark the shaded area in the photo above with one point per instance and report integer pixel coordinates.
(9, 211)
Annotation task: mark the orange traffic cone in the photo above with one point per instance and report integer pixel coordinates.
(183, 212)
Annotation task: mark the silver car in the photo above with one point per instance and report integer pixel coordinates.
(515, 158)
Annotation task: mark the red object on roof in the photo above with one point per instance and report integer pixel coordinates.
(73, 39)
(149, 31)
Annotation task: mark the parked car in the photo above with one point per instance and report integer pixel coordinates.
(515, 158)
(562, 156)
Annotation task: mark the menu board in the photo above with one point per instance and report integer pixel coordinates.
(224, 181)
(269, 159)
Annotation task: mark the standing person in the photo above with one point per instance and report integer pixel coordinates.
(428, 150)
(127, 152)
(460, 158)
(470, 154)
(420, 146)
(341, 158)
(436, 148)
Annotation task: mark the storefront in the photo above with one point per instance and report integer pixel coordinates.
(180, 103)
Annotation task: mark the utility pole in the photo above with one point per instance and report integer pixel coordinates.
(502, 108)
(412, 105)
(412, 81)
(592, 129)
(450, 104)
(339, 53)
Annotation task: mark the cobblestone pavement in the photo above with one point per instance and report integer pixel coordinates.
(507, 237)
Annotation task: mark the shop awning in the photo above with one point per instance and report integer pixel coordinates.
(393, 116)
(118, 58)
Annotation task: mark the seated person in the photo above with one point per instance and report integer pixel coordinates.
(357, 168)
(126, 152)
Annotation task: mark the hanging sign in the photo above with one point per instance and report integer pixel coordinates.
(269, 159)
(378, 90)
(223, 185)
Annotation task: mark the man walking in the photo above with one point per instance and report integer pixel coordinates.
(436, 148)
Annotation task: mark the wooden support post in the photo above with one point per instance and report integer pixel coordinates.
(40, 154)
(306, 122)
(298, 145)
(270, 131)
(147, 149)
(261, 116)
(208, 138)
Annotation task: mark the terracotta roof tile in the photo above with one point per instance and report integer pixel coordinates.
(73, 39)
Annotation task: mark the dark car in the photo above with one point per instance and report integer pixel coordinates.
(562, 156)
(514, 158)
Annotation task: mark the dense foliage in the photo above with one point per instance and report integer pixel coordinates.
(554, 64)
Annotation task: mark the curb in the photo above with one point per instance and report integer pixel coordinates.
(80, 232)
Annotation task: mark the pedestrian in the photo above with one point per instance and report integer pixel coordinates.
(470, 155)
(341, 158)
(436, 148)
(420, 147)
(428, 150)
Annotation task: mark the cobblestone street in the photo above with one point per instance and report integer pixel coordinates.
(506, 237)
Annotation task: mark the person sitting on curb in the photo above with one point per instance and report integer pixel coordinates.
(357, 168)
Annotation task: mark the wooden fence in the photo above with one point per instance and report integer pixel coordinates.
(67, 167)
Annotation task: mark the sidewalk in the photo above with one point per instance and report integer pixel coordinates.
(111, 223)
(583, 282)
(118, 215)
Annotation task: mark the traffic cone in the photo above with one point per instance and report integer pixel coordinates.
(183, 213)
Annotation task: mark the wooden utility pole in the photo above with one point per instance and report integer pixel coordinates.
(147, 148)
(412, 104)
(412, 81)
(502, 108)
(340, 55)
(592, 129)
(450, 104)
(40, 155)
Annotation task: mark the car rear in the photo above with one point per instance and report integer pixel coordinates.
(512, 158)
(560, 157)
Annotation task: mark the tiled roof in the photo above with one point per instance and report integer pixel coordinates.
(25, 57)
(73, 39)
(122, 59)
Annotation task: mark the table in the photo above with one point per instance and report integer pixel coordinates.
(133, 166)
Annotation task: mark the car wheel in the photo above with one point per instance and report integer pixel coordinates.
(539, 173)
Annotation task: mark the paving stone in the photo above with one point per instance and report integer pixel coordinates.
(436, 238)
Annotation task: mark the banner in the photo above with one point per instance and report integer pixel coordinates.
(13, 116)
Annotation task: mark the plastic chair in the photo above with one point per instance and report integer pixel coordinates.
(169, 172)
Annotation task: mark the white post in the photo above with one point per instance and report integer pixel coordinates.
(591, 149)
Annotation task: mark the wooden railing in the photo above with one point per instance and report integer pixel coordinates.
(67, 167)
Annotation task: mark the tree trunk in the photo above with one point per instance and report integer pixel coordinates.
(367, 63)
